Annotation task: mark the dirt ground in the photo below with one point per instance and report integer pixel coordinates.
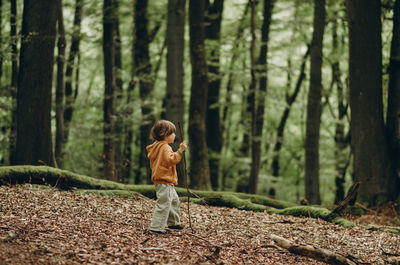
(52, 227)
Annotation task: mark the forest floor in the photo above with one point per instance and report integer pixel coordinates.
(51, 227)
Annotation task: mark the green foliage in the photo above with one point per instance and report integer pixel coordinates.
(291, 31)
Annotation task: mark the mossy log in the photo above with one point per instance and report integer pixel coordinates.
(67, 180)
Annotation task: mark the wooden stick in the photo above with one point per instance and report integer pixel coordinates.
(311, 251)
(186, 179)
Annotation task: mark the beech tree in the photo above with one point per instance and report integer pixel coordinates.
(175, 105)
(60, 91)
(34, 139)
(259, 107)
(72, 65)
(109, 92)
(213, 123)
(143, 74)
(314, 106)
(393, 117)
(14, 80)
(368, 139)
(199, 167)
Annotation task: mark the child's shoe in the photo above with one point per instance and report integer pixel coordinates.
(175, 227)
(157, 232)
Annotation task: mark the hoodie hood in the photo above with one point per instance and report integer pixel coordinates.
(154, 149)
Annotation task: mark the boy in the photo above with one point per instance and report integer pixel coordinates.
(163, 167)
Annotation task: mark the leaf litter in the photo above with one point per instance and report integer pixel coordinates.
(51, 227)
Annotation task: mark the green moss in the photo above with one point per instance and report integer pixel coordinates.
(383, 229)
(122, 193)
(307, 211)
(343, 222)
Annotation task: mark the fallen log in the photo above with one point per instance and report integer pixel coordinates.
(311, 251)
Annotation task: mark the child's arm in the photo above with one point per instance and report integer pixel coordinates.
(172, 157)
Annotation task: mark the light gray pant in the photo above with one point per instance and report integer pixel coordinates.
(167, 210)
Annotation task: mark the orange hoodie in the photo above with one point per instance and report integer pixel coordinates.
(163, 163)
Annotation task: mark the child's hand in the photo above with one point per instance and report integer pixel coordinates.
(182, 146)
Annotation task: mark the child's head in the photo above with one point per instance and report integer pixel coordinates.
(162, 129)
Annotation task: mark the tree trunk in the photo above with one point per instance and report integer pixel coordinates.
(14, 80)
(70, 94)
(60, 91)
(251, 97)
(393, 111)
(227, 110)
(120, 109)
(213, 124)
(314, 106)
(199, 167)
(175, 105)
(342, 141)
(1, 41)
(290, 99)
(259, 107)
(129, 125)
(34, 140)
(109, 93)
(143, 73)
(368, 141)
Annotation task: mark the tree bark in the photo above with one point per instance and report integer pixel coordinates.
(1, 41)
(314, 106)
(120, 108)
(213, 124)
(393, 111)
(342, 140)
(70, 94)
(175, 105)
(143, 73)
(109, 93)
(14, 80)
(259, 107)
(368, 140)
(60, 89)
(129, 110)
(34, 139)
(311, 251)
(251, 97)
(199, 167)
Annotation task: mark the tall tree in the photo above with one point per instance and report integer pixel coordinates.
(1, 40)
(342, 140)
(213, 124)
(109, 92)
(129, 110)
(14, 79)
(314, 106)
(199, 167)
(71, 65)
(143, 74)
(34, 140)
(393, 111)
(259, 107)
(175, 52)
(368, 141)
(60, 91)
(119, 109)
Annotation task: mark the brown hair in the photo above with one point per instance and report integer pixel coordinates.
(161, 129)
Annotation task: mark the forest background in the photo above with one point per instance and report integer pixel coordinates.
(291, 99)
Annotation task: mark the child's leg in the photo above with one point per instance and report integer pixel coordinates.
(175, 211)
(162, 209)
